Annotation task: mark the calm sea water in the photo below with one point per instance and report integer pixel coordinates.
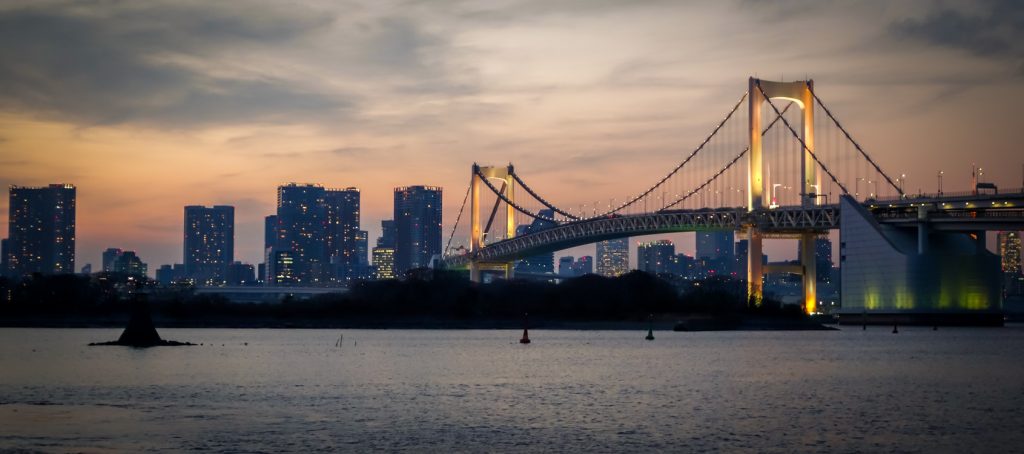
(952, 390)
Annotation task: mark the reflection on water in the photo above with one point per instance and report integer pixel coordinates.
(293, 390)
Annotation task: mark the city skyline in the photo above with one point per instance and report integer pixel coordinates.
(197, 114)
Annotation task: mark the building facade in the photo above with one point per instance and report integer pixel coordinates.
(613, 257)
(417, 217)
(656, 257)
(302, 232)
(41, 230)
(341, 208)
(209, 243)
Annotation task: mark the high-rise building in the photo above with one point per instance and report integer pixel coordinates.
(269, 231)
(129, 263)
(1009, 251)
(342, 220)
(417, 227)
(362, 260)
(565, 266)
(41, 230)
(165, 275)
(685, 266)
(241, 274)
(384, 262)
(109, 256)
(280, 269)
(3, 258)
(209, 245)
(715, 245)
(387, 234)
(656, 257)
(540, 263)
(613, 257)
(822, 258)
(301, 223)
(583, 265)
(87, 269)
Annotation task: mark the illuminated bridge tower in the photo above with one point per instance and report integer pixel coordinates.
(800, 93)
(477, 232)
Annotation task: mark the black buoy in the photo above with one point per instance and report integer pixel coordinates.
(864, 320)
(895, 328)
(650, 328)
(526, 335)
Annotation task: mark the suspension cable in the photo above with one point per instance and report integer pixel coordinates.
(541, 199)
(745, 150)
(513, 204)
(802, 143)
(854, 142)
(458, 218)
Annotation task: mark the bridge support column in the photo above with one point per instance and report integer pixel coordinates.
(922, 229)
(755, 270)
(474, 272)
(808, 260)
(510, 271)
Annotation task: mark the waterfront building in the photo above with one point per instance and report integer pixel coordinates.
(1009, 252)
(209, 243)
(565, 266)
(384, 262)
(41, 230)
(656, 257)
(341, 208)
(892, 274)
(241, 274)
(127, 262)
(301, 225)
(613, 257)
(417, 217)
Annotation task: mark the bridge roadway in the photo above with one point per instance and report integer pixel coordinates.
(960, 212)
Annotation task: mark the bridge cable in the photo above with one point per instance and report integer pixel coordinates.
(802, 143)
(727, 166)
(494, 211)
(541, 199)
(854, 142)
(458, 218)
(513, 204)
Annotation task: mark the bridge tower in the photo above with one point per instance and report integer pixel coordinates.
(476, 232)
(799, 92)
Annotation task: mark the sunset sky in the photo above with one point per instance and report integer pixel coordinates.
(150, 106)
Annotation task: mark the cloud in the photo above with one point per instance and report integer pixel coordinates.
(122, 62)
(994, 29)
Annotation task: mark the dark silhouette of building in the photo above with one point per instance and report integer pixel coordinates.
(4, 267)
(269, 231)
(165, 275)
(342, 220)
(716, 250)
(87, 269)
(41, 230)
(109, 256)
(656, 257)
(209, 243)
(417, 219)
(301, 238)
(129, 263)
(241, 274)
(387, 234)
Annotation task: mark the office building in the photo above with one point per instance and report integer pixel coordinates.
(301, 237)
(583, 265)
(716, 251)
(41, 230)
(209, 243)
(1009, 252)
(384, 262)
(341, 208)
(86, 269)
(613, 257)
(656, 257)
(241, 274)
(417, 216)
(565, 267)
(109, 256)
(127, 262)
(3, 258)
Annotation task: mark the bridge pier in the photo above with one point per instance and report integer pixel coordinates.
(755, 270)
(809, 263)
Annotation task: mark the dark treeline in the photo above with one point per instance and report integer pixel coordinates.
(445, 295)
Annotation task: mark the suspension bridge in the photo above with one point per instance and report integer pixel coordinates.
(788, 168)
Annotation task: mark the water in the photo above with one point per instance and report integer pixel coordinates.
(952, 390)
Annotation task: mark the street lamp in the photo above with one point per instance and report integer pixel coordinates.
(940, 183)
(857, 186)
(775, 197)
(816, 194)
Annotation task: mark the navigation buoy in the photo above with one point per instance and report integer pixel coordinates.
(895, 328)
(650, 328)
(526, 335)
